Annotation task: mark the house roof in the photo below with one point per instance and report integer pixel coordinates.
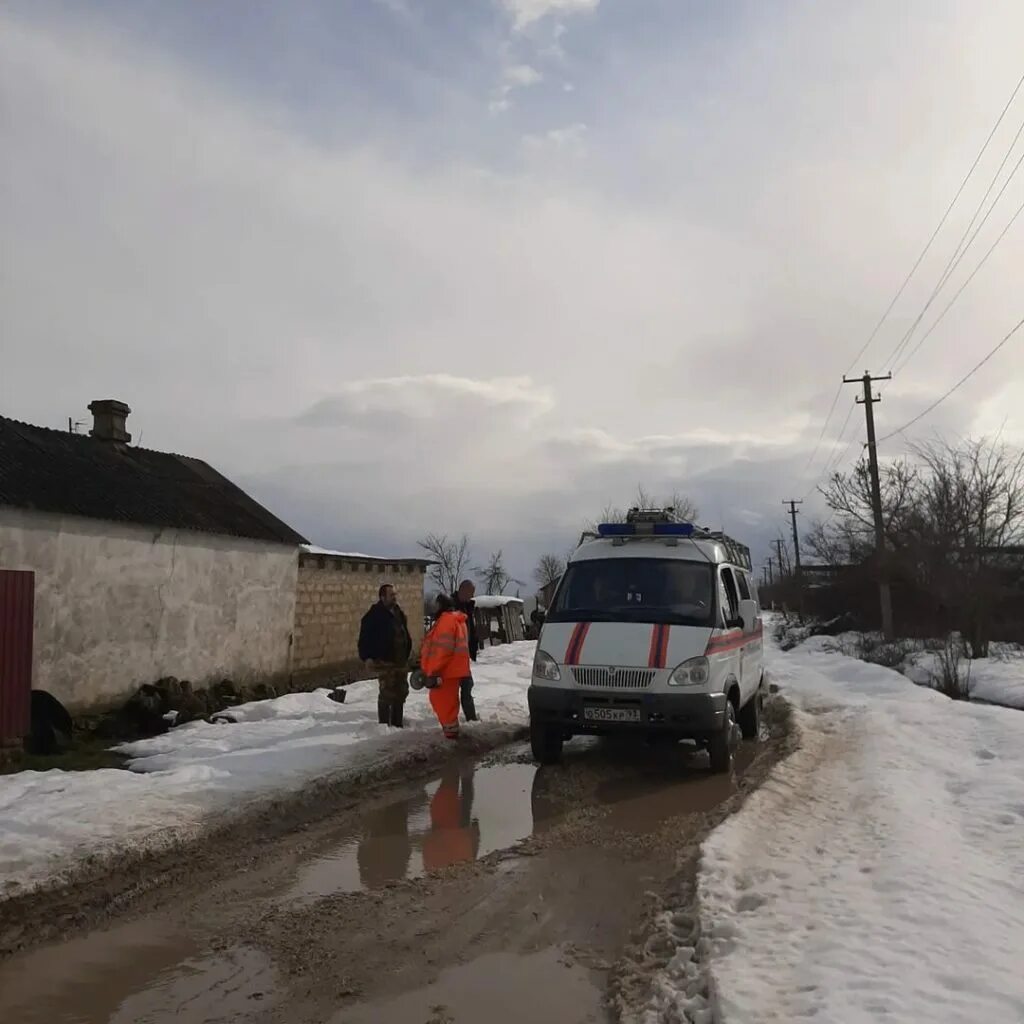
(357, 556)
(486, 601)
(71, 474)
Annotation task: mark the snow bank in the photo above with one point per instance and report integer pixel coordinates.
(998, 679)
(877, 875)
(179, 780)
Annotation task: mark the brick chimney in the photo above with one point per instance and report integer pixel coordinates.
(108, 420)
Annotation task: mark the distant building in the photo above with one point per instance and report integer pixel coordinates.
(499, 619)
(335, 588)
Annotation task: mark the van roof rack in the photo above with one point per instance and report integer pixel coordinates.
(663, 522)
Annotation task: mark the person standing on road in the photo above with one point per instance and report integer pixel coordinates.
(445, 656)
(464, 603)
(385, 645)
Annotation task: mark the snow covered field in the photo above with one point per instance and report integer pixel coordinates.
(178, 781)
(879, 874)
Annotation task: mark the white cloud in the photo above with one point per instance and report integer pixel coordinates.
(526, 12)
(676, 312)
(513, 76)
(570, 139)
(431, 397)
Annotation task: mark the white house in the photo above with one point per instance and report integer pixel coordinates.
(146, 564)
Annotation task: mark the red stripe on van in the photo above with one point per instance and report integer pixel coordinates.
(575, 648)
(659, 646)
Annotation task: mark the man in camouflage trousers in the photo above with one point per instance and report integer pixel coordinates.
(385, 645)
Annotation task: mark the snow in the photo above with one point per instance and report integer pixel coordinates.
(997, 679)
(313, 549)
(191, 775)
(496, 600)
(878, 875)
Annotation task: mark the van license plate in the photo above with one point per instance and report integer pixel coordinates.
(611, 714)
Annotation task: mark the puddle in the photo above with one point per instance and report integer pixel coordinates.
(500, 988)
(642, 803)
(133, 974)
(466, 813)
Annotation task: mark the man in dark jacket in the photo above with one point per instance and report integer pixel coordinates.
(464, 603)
(385, 645)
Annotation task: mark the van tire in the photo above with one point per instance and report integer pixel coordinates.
(750, 717)
(546, 743)
(722, 745)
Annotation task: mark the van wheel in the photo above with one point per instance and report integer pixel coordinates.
(723, 744)
(750, 717)
(545, 742)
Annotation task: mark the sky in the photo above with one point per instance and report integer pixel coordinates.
(484, 266)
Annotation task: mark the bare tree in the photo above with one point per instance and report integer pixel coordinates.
(494, 576)
(970, 511)
(549, 570)
(682, 506)
(451, 560)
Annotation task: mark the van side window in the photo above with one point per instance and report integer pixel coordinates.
(741, 579)
(730, 600)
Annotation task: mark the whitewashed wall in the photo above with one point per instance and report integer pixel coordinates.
(117, 606)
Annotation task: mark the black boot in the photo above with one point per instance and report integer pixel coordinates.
(384, 711)
(396, 715)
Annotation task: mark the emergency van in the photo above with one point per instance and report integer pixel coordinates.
(654, 629)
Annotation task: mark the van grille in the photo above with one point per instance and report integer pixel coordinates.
(615, 678)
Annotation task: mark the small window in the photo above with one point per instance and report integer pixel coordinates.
(729, 598)
(741, 579)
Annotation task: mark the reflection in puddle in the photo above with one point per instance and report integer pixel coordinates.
(132, 973)
(465, 814)
(500, 988)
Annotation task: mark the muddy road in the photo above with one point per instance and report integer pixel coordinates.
(488, 891)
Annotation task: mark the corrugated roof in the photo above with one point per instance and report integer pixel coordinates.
(71, 474)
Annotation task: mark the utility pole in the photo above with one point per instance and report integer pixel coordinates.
(797, 573)
(884, 593)
(771, 571)
(796, 537)
(779, 542)
(764, 575)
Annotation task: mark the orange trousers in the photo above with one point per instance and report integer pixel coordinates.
(444, 699)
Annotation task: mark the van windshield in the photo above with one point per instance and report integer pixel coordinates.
(666, 590)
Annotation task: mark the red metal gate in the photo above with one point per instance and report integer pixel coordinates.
(17, 603)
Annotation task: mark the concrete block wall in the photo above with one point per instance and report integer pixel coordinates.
(332, 596)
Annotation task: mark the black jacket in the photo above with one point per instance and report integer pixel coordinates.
(377, 634)
(469, 609)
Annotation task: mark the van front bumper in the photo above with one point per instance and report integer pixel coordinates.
(689, 715)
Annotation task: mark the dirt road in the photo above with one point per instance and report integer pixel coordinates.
(493, 891)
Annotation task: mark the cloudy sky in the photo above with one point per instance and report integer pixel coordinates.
(486, 265)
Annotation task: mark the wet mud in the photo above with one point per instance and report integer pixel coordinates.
(488, 890)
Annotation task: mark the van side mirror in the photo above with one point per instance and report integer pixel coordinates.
(748, 614)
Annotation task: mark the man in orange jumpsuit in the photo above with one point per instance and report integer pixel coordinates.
(445, 656)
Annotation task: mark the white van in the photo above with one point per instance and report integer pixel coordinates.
(655, 628)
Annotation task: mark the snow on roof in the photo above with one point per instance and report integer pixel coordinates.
(314, 549)
(496, 600)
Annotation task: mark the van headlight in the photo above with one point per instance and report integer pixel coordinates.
(694, 672)
(545, 667)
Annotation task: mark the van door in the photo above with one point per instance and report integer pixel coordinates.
(730, 600)
(750, 670)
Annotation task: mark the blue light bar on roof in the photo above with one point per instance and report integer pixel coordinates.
(616, 529)
(645, 529)
(673, 529)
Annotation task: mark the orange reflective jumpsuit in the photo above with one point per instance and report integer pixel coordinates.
(445, 655)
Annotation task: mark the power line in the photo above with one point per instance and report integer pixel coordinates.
(961, 250)
(830, 461)
(917, 263)
(924, 337)
(963, 380)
